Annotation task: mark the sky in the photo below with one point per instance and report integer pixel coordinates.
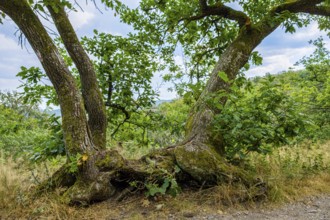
(280, 50)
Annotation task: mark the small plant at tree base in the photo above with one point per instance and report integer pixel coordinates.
(168, 186)
(75, 162)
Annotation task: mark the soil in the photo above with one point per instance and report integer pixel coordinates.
(311, 208)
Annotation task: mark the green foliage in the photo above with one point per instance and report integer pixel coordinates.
(35, 86)
(15, 132)
(178, 27)
(165, 26)
(125, 67)
(15, 116)
(314, 85)
(169, 185)
(276, 110)
(27, 132)
(52, 145)
(260, 113)
(75, 162)
(158, 127)
(258, 118)
(223, 76)
(14, 100)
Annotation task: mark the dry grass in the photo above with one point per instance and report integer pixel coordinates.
(291, 173)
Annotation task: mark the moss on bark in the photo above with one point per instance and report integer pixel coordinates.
(85, 192)
(199, 164)
(93, 100)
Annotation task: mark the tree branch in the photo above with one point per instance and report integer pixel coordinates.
(304, 6)
(318, 10)
(203, 4)
(121, 108)
(126, 113)
(222, 11)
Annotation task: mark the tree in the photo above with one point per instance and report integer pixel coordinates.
(235, 43)
(230, 34)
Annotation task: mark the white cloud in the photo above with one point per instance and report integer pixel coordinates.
(7, 43)
(279, 59)
(81, 18)
(164, 94)
(179, 60)
(9, 84)
(12, 57)
(308, 33)
(7, 69)
(281, 51)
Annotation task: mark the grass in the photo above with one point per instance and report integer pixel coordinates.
(11, 182)
(290, 172)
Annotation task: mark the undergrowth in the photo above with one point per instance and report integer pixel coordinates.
(290, 173)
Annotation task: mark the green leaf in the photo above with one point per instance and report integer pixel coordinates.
(223, 76)
(177, 169)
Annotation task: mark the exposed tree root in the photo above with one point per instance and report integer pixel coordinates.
(86, 192)
(199, 165)
(61, 178)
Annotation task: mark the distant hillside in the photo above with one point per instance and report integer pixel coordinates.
(56, 112)
(158, 102)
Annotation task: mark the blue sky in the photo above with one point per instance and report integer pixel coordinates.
(280, 51)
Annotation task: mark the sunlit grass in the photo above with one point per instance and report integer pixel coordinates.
(292, 172)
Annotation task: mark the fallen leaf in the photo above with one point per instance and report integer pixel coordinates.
(84, 157)
(159, 206)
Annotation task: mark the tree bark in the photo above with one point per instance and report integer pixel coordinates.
(231, 61)
(102, 173)
(93, 99)
(199, 124)
(74, 122)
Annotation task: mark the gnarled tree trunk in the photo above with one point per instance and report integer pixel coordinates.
(231, 61)
(74, 122)
(102, 173)
(93, 99)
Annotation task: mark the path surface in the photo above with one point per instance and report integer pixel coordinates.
(312, 208)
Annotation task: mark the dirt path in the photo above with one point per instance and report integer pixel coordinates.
(312, 208)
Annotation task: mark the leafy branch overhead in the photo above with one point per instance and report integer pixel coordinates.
(221, 10)
(204, 29)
